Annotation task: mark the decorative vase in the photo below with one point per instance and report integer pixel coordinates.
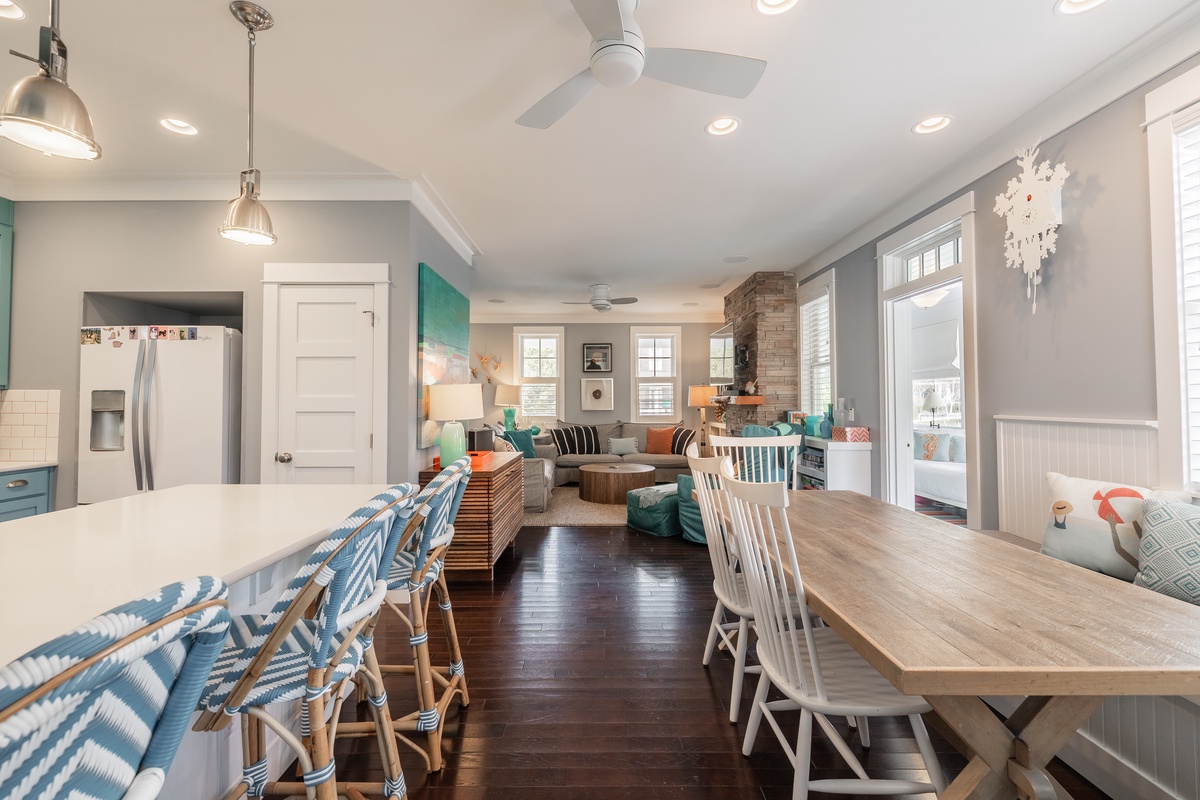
(827, 424)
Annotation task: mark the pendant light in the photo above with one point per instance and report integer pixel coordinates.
(41, 111)
(247, 221)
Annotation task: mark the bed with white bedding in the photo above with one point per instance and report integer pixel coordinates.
(944, 481)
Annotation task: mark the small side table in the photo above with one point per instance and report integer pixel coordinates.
(608, 483)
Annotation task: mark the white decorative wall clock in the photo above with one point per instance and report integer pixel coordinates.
(1033, 208)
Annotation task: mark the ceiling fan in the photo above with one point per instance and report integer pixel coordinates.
(619, 57)
(602, 299)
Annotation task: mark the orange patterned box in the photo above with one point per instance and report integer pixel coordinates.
(844, 434)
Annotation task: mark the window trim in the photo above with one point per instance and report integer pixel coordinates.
(676, 334)
(1172, 106)
(544, 331)
(821, 285)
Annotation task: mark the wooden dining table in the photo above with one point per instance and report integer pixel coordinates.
(956, 616)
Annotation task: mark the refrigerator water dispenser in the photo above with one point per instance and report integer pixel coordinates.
(108, 419)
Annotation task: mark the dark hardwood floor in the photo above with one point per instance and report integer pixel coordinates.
(583, 662)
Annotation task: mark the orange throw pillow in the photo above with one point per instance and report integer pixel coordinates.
(658, 440)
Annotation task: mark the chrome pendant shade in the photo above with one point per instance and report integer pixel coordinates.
(246, 220)
(41, 111)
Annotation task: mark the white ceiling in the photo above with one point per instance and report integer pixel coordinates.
(626, 189)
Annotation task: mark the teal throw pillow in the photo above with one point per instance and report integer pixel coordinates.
(1169, 556)
(522, 440)
(958, 449)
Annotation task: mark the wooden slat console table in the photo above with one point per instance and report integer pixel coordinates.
(489, 518)
(952, 615)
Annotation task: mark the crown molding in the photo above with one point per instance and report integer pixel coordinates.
(608, 317)
(1168, 45)
(370, 187)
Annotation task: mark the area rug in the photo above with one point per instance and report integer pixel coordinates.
(566, 509)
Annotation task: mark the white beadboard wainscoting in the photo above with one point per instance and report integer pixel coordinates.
(1120, 451)
(1132, 747)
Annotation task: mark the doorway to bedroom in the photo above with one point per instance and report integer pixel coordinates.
(927, 306)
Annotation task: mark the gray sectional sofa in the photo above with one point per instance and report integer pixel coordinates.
(566, 467)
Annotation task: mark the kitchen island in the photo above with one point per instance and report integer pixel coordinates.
(61, 569)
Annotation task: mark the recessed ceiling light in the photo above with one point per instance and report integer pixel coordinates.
(178, 126)
(736, 259)
(710, 286)
(772, 7)
(691, 304)
(722, 126)
(497, 300)
(10, 10)
(931, 124)
(1068, 7)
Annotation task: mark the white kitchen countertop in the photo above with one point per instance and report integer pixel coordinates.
(18, 466)
(61, 569)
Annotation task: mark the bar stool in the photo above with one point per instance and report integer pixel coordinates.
(288, 655)
(417, 575)
(99, 712)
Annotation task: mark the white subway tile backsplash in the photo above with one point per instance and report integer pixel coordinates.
(29, 420)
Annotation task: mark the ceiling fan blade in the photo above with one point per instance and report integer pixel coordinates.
(602, 18)
(550, 109)
(622, 301)
(576, 302)
(705, 71)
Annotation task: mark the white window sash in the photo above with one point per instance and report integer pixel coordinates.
(656, 395)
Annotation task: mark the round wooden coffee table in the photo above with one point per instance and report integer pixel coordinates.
(608, 483)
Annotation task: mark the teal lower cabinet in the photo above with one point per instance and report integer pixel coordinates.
(26, 492)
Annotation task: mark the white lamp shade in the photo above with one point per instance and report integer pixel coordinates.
(449, 401)
(508, 395)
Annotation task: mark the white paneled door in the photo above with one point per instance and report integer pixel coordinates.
(325, 360)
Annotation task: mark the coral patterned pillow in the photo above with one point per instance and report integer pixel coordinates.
(1098, 525)
(931, 446)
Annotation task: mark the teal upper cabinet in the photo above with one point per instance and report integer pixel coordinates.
(6, 274)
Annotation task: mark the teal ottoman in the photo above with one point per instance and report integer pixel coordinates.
(689, 510)
(654, 510)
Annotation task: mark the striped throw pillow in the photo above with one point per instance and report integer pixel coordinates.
(581, 440)
(680, 439)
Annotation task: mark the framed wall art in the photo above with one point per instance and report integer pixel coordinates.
(596, 394)
(597, 357)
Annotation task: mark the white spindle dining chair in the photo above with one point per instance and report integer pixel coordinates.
(762, 458)
(816, 670)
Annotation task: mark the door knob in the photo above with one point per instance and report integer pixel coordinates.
(283, 458)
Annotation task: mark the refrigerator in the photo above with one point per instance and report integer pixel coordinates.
(159, 406)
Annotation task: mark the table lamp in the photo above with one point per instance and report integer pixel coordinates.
(932, 402)
(701, 397)
(449, 403)
(508, 396)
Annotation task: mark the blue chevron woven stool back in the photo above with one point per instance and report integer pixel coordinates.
(103, 708)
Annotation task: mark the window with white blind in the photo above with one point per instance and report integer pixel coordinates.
(654, 356)
(540, 373)
(1173, 133)
(815, 301)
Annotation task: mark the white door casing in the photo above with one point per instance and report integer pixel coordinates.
(324, 373)
(896, 437)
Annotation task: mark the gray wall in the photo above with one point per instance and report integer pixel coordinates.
(1089, 350)
(497, 339)
(428, 247)
(63, 250)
